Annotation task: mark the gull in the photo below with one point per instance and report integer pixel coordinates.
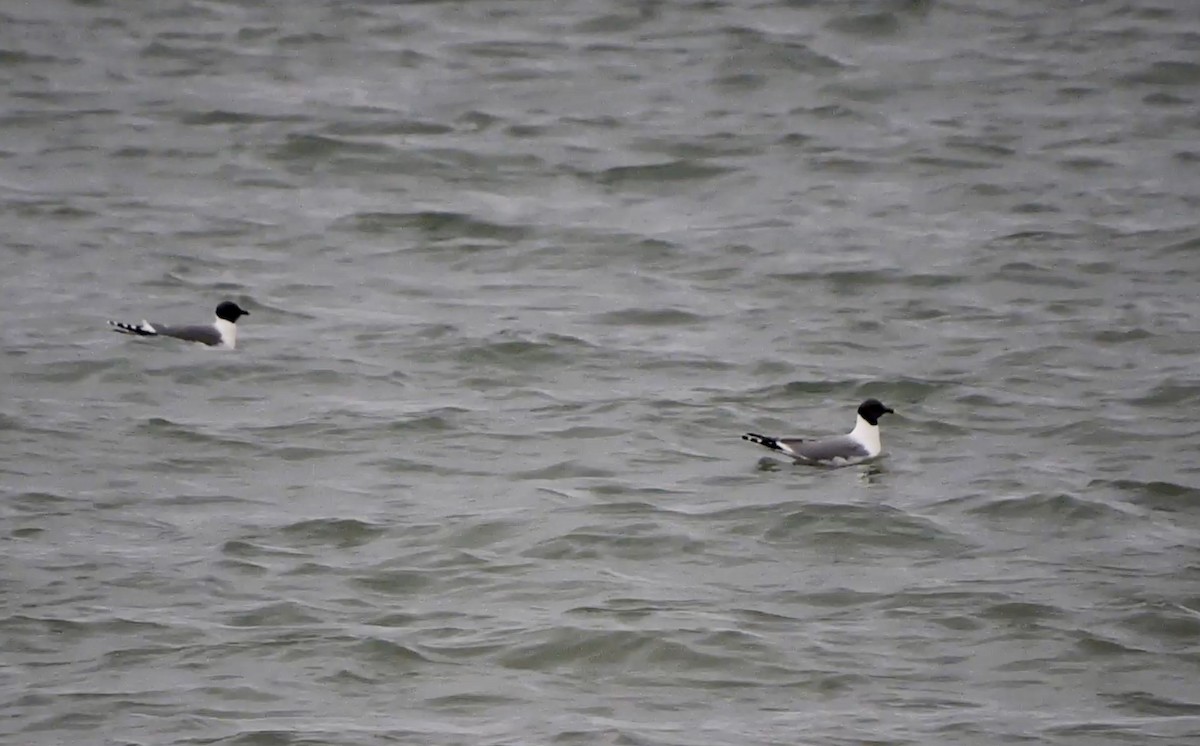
(221, 333)
(860, 443)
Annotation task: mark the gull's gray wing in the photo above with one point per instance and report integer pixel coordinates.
(203, 334)
(843, 447)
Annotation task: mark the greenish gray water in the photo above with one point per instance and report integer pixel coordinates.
(520, 274)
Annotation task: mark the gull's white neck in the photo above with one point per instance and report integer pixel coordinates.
(867, 434)
(228, 331)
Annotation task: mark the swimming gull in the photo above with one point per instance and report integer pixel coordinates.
(221, 333)
(860, 443)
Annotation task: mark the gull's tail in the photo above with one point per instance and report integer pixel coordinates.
(143, 329)
(763, 440)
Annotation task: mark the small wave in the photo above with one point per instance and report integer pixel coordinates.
(243, 549)
(849, 527)
(1056, 509)
(527, 49)
(649, 317)
(386, 654)
(305, 453)
(283, 614)
(75, 371)
(432, 223)
(1166, 72)
(940, 163)
(1047, 275)
(225, 116)
(427, 423)
(62, 629)
(564, 470)
(642, 541)
(519, 353)
(163, 428)
(676, 170)
(339, 532)
(844, 165)
(1186, 247)
(1178, 394)
(752, 50)
(1093, 644)
(1020, 613)
(867, 25)
(1148, 704)
(1156, 495)
(385, 123)
(1165, 624)
(581, 649)
(15, 58)
(309, 147)
(394, 582)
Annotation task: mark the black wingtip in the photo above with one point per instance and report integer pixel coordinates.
(137, 330)
(763, 440)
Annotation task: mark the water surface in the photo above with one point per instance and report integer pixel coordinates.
(519, 276)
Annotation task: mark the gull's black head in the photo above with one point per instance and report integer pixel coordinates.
(872, 409)
(231, 311)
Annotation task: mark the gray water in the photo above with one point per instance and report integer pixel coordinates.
(519, 275)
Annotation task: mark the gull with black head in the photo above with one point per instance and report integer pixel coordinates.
(221, 333)
(859, 444)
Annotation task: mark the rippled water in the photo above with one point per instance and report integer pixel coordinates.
(520, 274)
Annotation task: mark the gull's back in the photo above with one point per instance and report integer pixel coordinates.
(829, 449)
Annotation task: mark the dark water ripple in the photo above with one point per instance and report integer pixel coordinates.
(519, 276)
